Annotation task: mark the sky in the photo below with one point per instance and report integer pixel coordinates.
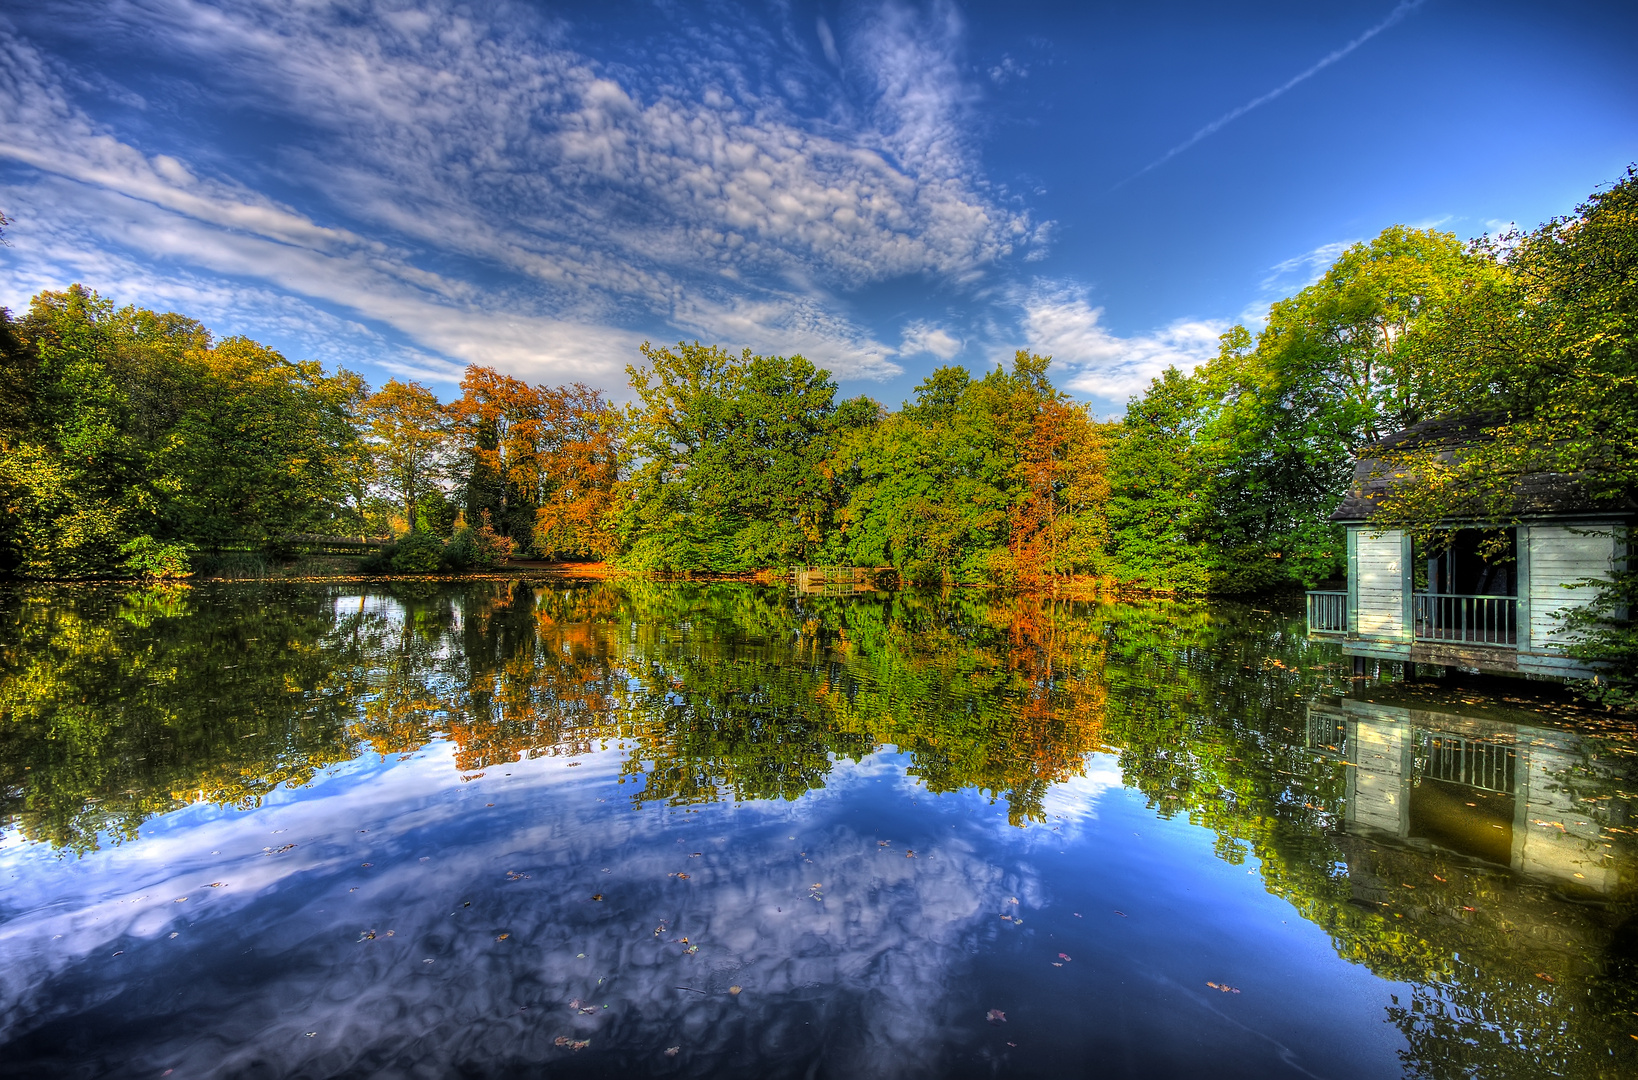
(405, 187)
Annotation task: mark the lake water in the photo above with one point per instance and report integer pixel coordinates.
(509, 828)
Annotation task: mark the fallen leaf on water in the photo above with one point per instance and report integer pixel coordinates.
(368, 935)
(1544, 975)
(217, 885)
(909, 854)
(1436, 877)
(1466, 908)
(589, 1009)
(883, 843)
(1012, 899)
(597, 896)
(309, 1034)
(682, 877)
(173, 934)
(735, 989)
(503, 937)
(574, 765)
(672, 1051)
(693, 949)
(179, 900)
(574, 1004)
(366, 865)
(996, 1016)
(695, 854)
(561, 1040)
(1224, 987)
(1122, 914)
(513, 875)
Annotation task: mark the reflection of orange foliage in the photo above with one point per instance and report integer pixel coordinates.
(1011, 704)
(549, 692)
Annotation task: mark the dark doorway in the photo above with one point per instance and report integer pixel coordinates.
(1478, 562)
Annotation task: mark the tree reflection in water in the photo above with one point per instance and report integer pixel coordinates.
(1476, 850)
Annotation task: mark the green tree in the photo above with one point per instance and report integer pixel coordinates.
(728, 461)
(409, 437)
(1156, 478)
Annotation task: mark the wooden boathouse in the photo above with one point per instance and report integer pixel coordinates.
(1503, 614)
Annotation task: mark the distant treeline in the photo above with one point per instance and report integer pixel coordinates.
(133, 441)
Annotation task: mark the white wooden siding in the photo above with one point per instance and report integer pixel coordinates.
(1381, 565)
(1559, 557)
(1555, 836)
(1379, 798)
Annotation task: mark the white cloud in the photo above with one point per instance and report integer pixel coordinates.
(827, 42)
(1058, 321)
(923, 337)
(614, 201)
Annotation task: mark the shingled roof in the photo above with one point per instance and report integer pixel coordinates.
(1539, 494)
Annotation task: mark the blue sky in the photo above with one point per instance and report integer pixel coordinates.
(405, 187)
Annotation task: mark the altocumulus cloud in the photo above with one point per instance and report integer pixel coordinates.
(466, 179)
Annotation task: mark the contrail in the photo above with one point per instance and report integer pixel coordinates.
(1405, 8)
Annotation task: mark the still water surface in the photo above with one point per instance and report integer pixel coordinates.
(499, 828)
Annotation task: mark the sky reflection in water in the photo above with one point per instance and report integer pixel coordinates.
(641, 797)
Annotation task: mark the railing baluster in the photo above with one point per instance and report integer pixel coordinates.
(1487, 620)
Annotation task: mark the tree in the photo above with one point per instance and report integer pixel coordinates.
(500, 424)
(260, 448)
(581, 468)
(1156, 479)
(408, 430)
(727, 460)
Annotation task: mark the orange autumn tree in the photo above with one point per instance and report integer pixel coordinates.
(581, 469)
(1056, 521)
(499, 421)
(540, 462)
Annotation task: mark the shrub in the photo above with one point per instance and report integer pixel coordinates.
(418, 553)
(149, 558)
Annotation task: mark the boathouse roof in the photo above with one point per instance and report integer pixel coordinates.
(1539, 494)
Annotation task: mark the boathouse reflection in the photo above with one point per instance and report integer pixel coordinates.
(1483, 783)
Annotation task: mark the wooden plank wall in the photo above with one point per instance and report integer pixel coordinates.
(1559, 557)
(1381, 586)
(1379, 795)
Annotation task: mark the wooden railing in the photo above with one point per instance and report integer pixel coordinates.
(1478, 620)
(1480, 763)
(1327, 612)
